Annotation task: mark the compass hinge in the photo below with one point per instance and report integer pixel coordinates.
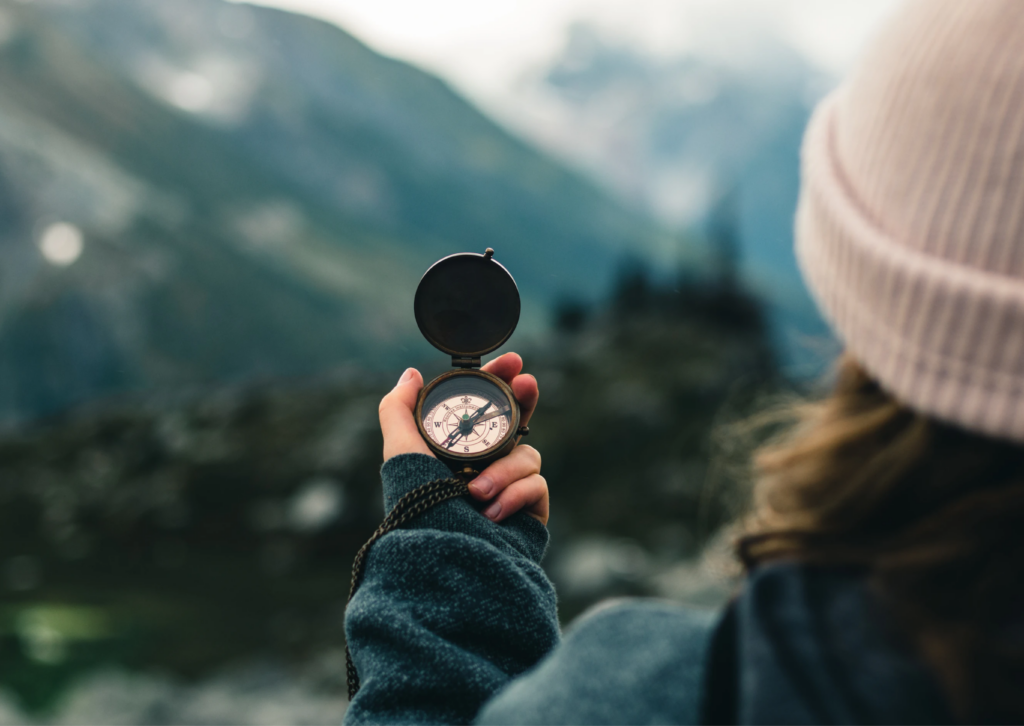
(466, 361)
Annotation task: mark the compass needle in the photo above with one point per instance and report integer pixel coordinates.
(495, 414)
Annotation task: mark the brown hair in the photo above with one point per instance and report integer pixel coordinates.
(935, 515)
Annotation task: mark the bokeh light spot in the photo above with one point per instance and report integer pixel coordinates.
(191, 92)
(61, 244)
(318, 503)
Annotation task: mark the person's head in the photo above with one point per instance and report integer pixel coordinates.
(910, 234)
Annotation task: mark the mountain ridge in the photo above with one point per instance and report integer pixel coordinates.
(258, 193)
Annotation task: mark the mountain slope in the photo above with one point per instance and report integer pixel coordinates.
(258, 193)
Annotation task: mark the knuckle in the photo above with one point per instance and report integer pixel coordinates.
(534, 456)
(526, 461)
(526, 450)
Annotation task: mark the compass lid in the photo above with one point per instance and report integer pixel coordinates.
(467, 304)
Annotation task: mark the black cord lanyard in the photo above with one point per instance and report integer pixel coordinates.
(412, 504)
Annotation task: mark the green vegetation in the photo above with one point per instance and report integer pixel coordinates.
(186, 534)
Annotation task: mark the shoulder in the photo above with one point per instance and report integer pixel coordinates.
(633, 661)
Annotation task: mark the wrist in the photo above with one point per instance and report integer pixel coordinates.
(402, 473)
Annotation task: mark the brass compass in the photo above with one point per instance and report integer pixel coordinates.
(467, 305)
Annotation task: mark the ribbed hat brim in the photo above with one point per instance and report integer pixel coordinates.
(944, 339)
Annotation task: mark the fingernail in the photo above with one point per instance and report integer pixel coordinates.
(493, 511)
(407, 375)
(483, 485)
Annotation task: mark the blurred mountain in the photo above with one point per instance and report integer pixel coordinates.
(698, 139)
(193, 191)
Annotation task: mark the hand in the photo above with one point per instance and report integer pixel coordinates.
(513, 483)
(515, 480)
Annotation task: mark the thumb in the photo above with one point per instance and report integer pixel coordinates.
(397, 421)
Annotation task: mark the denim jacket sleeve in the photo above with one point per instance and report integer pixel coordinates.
(451, 608)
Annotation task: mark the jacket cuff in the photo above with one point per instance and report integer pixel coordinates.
(519, 534)
(403, 473)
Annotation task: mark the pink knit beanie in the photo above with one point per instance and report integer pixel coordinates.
(910, 228)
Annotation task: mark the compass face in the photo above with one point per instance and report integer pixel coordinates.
(467, 415)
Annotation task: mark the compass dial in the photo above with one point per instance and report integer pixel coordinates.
(467, 415)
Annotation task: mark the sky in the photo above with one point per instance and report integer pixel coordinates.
(482, 48)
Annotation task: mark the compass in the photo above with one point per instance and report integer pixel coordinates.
(467, 305)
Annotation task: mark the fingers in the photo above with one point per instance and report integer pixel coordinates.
(397, 422)
(521, 463)
(508, 368)
(525, 389)
(529, 494)
(513, 483)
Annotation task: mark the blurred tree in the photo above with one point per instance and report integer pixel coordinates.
(724, 237)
